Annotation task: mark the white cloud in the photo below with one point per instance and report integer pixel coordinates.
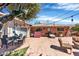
(48, 19)
(69, 22)
(45, 18)
(67, 6)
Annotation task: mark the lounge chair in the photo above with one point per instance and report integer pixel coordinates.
(65, 45)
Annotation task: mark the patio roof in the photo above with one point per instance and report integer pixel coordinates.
(21, 23)
(41, 25)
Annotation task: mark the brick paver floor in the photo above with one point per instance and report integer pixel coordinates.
(44, 46)
(10, 48)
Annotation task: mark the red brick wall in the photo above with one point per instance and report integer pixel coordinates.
(53, 29)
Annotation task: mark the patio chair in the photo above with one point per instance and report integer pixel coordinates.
(67, 46)
(20, 39)
(15, 41)
(76, 42)
(10, 41)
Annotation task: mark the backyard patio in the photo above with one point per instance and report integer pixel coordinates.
(43, 46)
(46, 47)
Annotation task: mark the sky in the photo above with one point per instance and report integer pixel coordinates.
(51, 12)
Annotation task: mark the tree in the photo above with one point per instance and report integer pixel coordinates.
(75, 28)
(25, 11)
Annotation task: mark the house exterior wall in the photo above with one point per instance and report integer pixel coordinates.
(9, 28)
(4, 30)
(17, 29)
(53, 29)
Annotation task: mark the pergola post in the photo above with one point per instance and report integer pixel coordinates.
(28, 32)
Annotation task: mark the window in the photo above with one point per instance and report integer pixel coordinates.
(23, 29)
(38, 29)
(60, 29)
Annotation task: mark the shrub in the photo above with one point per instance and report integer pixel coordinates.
(20, 52)
(75, 29)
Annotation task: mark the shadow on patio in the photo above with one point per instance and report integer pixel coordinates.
(76, 53)
(10, 48)
(58, 48)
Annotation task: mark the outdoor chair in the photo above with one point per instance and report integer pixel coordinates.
(20, 39)
(15, 41)
(0, 43)
(76, 42)
(10, 42)
(67, 46)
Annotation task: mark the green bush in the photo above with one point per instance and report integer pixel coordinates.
(75, 28)
(20, 52)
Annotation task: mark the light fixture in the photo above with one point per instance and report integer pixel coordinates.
(72, 19)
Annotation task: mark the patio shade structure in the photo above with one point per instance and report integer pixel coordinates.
(20, 10)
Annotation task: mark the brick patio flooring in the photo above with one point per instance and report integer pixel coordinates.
(45, 47)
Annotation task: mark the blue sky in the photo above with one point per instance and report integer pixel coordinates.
(50, 12)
